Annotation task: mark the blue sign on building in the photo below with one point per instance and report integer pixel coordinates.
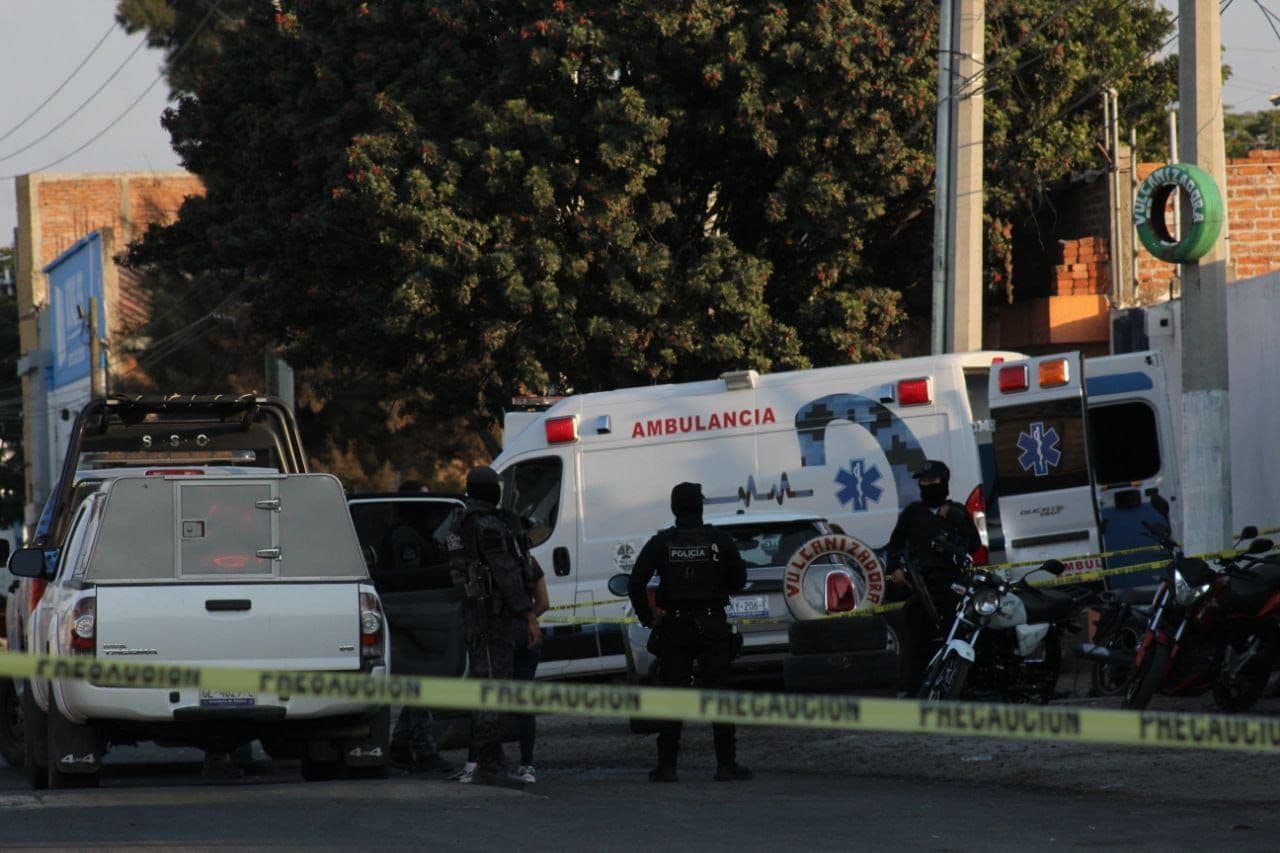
(74, 277)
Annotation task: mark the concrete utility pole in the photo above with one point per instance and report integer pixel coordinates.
(1206, 452)
(964, 301)
(942, 181)
(957, 222)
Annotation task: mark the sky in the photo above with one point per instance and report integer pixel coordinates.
(43, 41)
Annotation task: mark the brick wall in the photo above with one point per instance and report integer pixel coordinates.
(54, 211)
(1253, 225)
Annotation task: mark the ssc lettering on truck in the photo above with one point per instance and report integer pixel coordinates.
(653, 427)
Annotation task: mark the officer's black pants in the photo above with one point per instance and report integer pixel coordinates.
(690, 645)
(490, 657)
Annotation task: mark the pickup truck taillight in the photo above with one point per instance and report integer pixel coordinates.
(372, 632)
(82, 628)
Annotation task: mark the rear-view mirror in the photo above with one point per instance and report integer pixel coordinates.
(1261, 546)
(618, 585)
(1249, 532)
(28, 563)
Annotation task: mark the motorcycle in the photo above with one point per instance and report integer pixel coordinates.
(1005, 640)
(1210, 630)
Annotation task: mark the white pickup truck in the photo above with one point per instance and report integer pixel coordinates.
(260, 572)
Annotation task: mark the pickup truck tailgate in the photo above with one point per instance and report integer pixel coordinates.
(309, 626)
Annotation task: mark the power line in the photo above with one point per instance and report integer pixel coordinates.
(61, 85)
(119, 118)
(51, 131)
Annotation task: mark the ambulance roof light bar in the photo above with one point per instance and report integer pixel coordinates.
(1053, 374)
(915, 392)
(1014, 378)
(740, 380)
(562, 430)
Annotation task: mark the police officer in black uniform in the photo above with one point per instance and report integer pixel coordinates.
(489, 564)
(930, 532)
(697, 568)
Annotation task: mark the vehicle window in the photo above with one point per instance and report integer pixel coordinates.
(532, 491)
(773, 544)
(68, 555)
(407, 539)
(1040, 447)
(1124, 442)
(91, 525)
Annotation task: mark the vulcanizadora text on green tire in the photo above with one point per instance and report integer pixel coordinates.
(1205, 201)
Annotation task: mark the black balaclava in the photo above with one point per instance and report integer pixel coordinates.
(934, 495)
(686, 503)
(483, 484)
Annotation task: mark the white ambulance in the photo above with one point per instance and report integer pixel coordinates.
(593, 473)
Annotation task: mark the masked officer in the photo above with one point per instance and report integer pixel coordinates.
(697, 568)
(913, 538)
(489, 565)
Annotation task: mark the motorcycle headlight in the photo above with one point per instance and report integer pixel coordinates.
(1182, 591)
(986, 602)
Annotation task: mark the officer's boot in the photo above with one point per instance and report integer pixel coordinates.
(727, 767)
(668, 751)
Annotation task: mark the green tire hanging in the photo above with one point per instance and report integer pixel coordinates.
(1206, 213)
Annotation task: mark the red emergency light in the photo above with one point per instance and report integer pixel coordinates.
(562, 430)
(914, 392)
(1013, 378)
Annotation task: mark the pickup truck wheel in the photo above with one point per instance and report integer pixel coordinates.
(11, 747)
(34, 742)
(67, 738)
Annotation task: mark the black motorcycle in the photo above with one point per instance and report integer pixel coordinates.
(1004, 642)
(1116, 637)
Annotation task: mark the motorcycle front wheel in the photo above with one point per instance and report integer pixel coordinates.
(1146, 679)
(1243, 692)
(945, 679)
(1109, 678)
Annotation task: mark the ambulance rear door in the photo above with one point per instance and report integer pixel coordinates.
(1047, 504)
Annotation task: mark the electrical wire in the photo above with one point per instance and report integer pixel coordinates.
(49, 98)
(119, 118)
(51, 131)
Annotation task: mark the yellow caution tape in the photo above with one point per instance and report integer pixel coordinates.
(1072, 725)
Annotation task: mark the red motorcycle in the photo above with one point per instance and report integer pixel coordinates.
(1210, 630)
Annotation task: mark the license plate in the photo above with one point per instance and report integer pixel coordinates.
(748, 605)
(226, 699)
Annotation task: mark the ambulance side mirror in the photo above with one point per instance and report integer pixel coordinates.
(618, 585)
(1160, 505)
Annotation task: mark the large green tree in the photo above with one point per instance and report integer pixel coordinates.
(477, 199)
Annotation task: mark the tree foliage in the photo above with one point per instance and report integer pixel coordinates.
(476, 200)
(1248, 131)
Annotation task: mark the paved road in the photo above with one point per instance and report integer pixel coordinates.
(814, 790)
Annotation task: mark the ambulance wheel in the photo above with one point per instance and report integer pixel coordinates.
(841, 634)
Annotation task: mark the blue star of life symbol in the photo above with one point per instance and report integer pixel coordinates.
(858, 485)
(1039, 448)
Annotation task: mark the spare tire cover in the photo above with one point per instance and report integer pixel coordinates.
(805, 578)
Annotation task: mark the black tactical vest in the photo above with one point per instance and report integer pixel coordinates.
(690, 573)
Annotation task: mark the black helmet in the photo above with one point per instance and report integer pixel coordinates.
(933, 469)
(484, 484)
